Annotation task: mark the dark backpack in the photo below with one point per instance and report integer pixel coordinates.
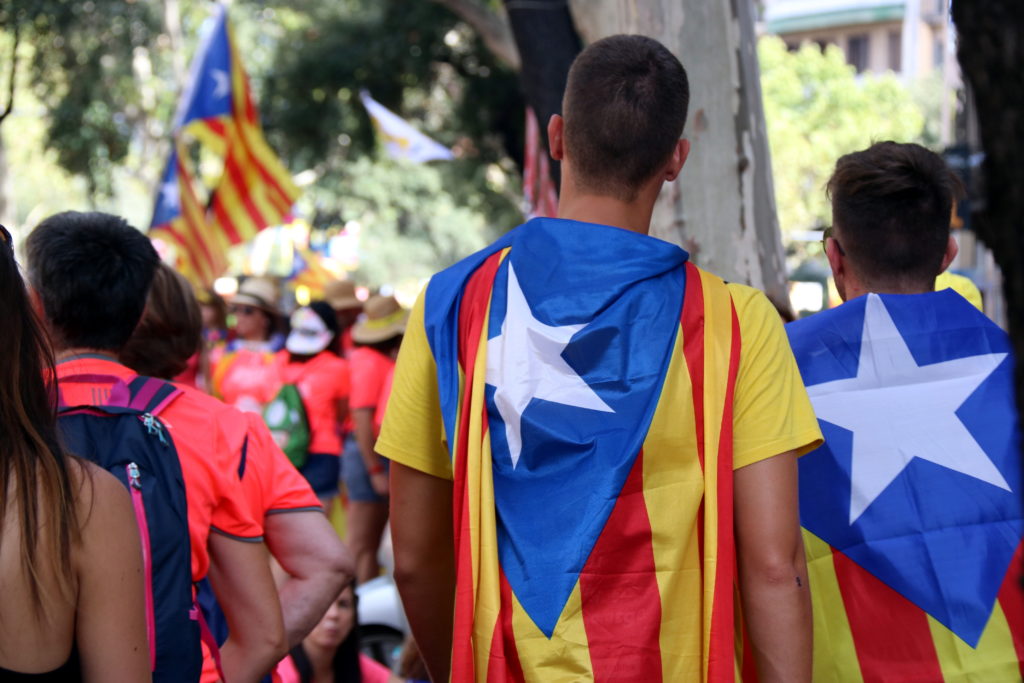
(125, 436)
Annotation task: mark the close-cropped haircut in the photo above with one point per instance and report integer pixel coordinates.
(892, 205)
(92, 273)
(624, 108)
(170, 331)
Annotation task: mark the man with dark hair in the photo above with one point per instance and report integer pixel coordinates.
(891, 208)
(910, 509)
(613, 430)
(90, 275)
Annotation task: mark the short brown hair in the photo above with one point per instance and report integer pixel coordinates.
(624, 108)
(170, 331)
(891, 207)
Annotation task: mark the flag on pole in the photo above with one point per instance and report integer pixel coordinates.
(254, 189)
(911, 510)
(539, 194)
(401, 140)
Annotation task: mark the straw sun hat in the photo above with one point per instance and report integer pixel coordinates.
(258, 292)
(341, 295)
(383, 318)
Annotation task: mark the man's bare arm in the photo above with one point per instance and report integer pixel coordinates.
(241, 580)
(318, 566)
(421, 531)
(773, 571)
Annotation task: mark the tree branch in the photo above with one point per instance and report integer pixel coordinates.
(14, 71)
(492, 27)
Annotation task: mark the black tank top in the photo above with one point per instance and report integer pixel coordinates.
(71, 670)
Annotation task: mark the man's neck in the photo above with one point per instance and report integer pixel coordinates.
(590, 208)
(856, 288)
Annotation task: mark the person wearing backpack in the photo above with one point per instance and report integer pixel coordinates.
(296, 531)
(305, 415)
(90, 274)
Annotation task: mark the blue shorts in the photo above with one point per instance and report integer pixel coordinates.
(321, 471)
(357, 479)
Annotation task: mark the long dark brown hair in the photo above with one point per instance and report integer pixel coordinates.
(34, 477)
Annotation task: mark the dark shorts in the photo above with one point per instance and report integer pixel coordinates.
(357, 479)
(321, 471)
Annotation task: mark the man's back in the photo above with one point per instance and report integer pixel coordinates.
(911, 513)
(596, 392)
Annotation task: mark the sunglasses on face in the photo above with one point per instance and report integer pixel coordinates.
(242, 310)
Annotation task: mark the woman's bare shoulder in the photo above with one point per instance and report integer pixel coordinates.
(102, 501)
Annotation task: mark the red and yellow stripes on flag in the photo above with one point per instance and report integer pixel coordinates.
(638, 565)
(254, 190)
(202, 251)
(866, 631)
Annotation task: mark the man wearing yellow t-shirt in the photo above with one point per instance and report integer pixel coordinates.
(593, 440)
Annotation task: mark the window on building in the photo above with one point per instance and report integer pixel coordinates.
(857, 51)
(938, 52)
(895, 50)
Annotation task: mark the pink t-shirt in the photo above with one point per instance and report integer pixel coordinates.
(322, 382)
(371, 670)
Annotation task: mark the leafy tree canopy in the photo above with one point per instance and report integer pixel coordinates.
(818, 108)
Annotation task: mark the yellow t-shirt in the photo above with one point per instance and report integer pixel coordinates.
(772, 413)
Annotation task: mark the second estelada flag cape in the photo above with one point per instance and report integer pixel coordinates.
(912, 510)
(554, 349)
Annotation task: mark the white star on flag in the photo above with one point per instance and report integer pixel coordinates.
(221, 83)
(525, 362)
(169, 193)
(899, 410)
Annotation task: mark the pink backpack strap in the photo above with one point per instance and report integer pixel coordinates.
(206, 636)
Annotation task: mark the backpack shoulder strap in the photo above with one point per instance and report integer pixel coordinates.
(151, 395)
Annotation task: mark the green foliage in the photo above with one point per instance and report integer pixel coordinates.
(418, 60)
(81, 68)
(97, 92)
(817, 109)
(410, 226)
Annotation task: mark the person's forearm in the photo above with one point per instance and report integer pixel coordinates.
(428, 594)
(304, 602)
(245, 663)
(362, 420)
(421, 530)
(317, 565)
(777, 611)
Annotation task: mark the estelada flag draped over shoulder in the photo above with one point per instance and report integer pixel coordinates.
(911, 510)
(254, 190)
(567, 354)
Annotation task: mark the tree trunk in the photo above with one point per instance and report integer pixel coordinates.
(991, 52)
(547, 43)
(722, 207)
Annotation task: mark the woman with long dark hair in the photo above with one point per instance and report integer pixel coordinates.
(70, 557)
(330, 653)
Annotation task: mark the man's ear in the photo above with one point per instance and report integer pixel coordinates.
(952, 249)
(678, 158)
(835, 260)
(556, 143)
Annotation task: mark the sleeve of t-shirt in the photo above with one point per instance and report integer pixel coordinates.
(772, 412)
(413, 429)
(285, 489)
(365, 374)
(233, 515)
